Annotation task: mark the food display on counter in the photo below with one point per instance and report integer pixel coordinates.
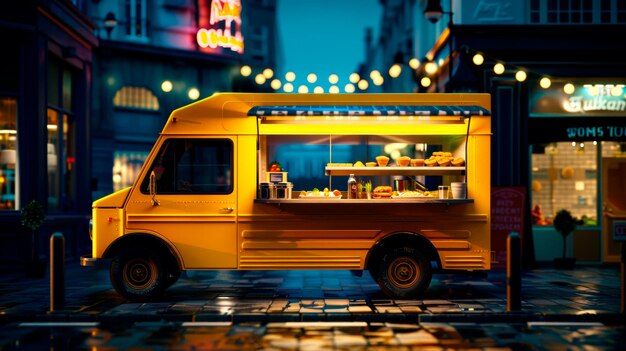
(371, 164)
(317, 194)
(341, 164)
(382, 192)
(359, 164)
(410, 194)
(417, 162)
(382, 161)
(444, 159)
(403, 161)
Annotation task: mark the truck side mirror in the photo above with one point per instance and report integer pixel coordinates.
(152, 186)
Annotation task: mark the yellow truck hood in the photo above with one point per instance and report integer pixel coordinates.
(115, 200)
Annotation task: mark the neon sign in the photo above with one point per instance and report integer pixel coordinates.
(224, 14)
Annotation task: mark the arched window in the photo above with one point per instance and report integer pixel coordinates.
(137, 98)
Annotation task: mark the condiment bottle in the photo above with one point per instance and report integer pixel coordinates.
(352, 187)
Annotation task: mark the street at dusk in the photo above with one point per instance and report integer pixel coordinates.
(313, 175)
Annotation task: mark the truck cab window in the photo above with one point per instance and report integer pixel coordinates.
(192, 166)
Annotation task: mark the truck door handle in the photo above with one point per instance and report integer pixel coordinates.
(227, 209)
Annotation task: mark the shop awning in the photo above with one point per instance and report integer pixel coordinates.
(368, 110)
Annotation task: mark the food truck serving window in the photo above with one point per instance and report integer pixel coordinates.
(192, 166)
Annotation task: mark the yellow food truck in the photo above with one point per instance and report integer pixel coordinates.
(396, 184)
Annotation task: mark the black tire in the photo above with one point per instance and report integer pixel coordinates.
(173, 273)
(138, 274)
(403, 273)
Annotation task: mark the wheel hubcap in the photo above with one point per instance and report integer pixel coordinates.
(139, 274)
(403, 272)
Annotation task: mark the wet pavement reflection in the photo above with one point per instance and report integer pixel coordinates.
(317, 310)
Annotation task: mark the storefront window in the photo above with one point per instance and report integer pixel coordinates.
(8, 153)
(61, 140)
(565, 176)
(126, 167)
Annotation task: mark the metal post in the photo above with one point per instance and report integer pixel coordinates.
(622, 308)
(513, 273)
(57, 271)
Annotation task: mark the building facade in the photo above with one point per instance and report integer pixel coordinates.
(45, 89)
(557, 125)
(156, 56)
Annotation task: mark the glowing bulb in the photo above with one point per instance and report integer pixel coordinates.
(334, 89)
(478, 59)
(333, 79)
(498, 68)
(425, 82)
(569, 88)
(545, 82)
(288, 88)
(268, 73)
(303, 89)
(275, 84)
(395, 70)
(193, 93)
(260, 79)
(430, 67)
(349, 88)
(363, 84)
(374, 73)
(414, 63)
(245, 70)
(290, 76)
(318, 90)
(311, 78)
(379, 81)
(166, 86)
(617, 90)
(520, 76)
(354, 78)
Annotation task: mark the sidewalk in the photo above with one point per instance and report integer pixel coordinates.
(588, 293)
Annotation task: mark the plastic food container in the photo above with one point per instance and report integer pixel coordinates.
(267, 190)
(284, 190)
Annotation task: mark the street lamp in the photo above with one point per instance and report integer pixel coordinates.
(433, 13)
(110, 22)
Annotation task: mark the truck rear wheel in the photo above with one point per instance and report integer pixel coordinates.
(138, 274)
(403, 273)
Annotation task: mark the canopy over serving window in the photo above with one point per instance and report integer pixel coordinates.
(368, 110)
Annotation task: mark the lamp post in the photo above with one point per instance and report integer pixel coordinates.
(110, 22)
(433, 13)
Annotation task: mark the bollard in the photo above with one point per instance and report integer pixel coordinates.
(57, 272)
(513, 273)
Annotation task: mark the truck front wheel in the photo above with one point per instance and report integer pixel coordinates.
(403, 273)
(138, 274)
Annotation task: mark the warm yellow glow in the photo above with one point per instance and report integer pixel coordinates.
(545, 82)
(260, 79)
(268, 73)
(193, 93)
(414, 63)
(478, 59)
(440, 62)
(288, 88)
(117, 178)
(374, 73)
(276, 84)
(354, 78)
(167, 86)
(395, 70)
(290, 76)
(334, 89)
(318, 90)
(333, 79)
(520, 76)
(617, 90)
(425, 82)
(303, 89)
(498, 68)
(378, 81)
(363, 84)
(569, 88)
(349, 88)
(245, 70)
(592, 90)
(311, 78)
(430, 67)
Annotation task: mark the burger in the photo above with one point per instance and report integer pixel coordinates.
(382, 192)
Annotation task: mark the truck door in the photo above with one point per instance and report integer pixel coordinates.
(193, 203)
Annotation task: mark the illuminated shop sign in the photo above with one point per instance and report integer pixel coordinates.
(223, 27)
(552, 129)
(596, 132)
(586, 100)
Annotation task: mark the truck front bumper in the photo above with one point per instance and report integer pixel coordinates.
(88, 261)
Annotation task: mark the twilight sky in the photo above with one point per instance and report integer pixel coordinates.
(324, 37)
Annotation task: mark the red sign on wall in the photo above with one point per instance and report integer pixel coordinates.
(507, 216)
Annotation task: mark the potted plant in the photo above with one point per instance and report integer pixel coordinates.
(565, 224)
(32, 218)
